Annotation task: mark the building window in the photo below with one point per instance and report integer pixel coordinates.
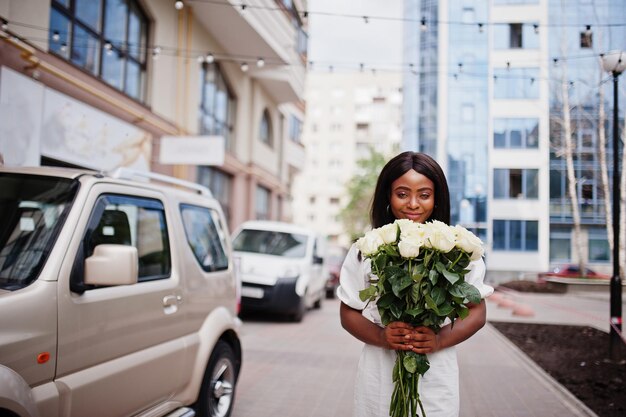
(107, 38)
(560, 248)
(515, 183)
(515, 235)
(220, 185)
(515, 36)
(295, 129)
(516, 83)
(586, 39)
(217, 106)
(265, 130)
(598, 246)
(262, 203)
(516, 133)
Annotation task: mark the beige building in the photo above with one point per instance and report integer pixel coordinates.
(102, 84)
(347, 114)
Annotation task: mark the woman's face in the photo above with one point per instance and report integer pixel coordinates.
(412, 197)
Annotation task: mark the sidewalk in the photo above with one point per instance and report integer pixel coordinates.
(498, 379)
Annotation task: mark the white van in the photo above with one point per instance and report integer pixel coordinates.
(281, 266)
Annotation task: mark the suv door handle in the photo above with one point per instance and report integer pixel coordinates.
(170, 303)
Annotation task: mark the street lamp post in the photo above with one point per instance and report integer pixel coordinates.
(614, 63)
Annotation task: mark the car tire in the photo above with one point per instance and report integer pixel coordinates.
(217, 393)
(330, 293)
(300, 310)
(318, 303)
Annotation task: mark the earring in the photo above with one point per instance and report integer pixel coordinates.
(388, 210)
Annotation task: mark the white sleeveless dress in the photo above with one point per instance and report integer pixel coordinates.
(439, 387)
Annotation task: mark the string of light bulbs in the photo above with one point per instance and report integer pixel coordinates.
(423, 21)
(455, 70)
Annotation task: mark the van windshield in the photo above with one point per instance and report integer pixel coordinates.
(269, 242)
(32, 209)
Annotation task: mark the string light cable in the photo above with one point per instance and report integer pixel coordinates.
(456, 70)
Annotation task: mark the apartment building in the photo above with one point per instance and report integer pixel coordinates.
(487, 98)
(348, 113)
(103, 84)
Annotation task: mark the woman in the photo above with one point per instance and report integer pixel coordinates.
(410, 186)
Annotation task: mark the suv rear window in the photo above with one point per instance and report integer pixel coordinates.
(32, 209)
(289, 245)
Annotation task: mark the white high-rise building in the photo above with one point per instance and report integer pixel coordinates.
(485, 97)
(347, 114)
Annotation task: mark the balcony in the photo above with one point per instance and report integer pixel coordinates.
(262, 30)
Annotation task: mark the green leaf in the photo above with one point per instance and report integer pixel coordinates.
(445, 309)
(433, 276)
(410, 363)
(396, 311)
(379, 262)
(368, 293)
(451, 276)
(414, 312)
(457, 291)
(386, 300)
(415, 292)
(438, 295)
(422, 363)
(400, 284)
(462, 311)
(471, 293)
(431, 303)
(385, 316)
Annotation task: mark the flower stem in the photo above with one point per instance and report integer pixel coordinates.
(457, 260)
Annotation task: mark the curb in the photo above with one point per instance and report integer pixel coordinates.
(577, 407)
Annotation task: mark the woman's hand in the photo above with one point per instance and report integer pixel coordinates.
(396, 336)
(423, 340)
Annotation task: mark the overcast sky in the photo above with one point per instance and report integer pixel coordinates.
(346, 41)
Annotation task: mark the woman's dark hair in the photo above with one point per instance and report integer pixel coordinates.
(420, 162)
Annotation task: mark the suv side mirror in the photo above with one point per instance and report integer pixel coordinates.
(112, 265)
(318, 260)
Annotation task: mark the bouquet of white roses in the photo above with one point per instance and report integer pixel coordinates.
(419, 279)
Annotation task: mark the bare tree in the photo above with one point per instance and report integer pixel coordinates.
(568, 149)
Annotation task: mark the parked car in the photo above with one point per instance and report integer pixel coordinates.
(334, 260)
(282, 267)
(571, 271)
(117, 296)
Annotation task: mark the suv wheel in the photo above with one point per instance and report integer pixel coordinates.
(217, 393)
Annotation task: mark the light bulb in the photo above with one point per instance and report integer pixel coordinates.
(244, 67)
(179, 4)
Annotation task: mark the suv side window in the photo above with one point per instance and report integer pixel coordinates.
(205, 236)
(133, 221)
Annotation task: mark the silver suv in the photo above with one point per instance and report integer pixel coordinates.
(117, 296)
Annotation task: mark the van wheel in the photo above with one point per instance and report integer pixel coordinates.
(217, 394)
(299, 314)
(318, 303)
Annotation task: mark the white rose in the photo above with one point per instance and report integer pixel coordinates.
(409, 248)
(439, 236)
(409, 228)
(469, 242)
(388, 233)
(369, 244)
